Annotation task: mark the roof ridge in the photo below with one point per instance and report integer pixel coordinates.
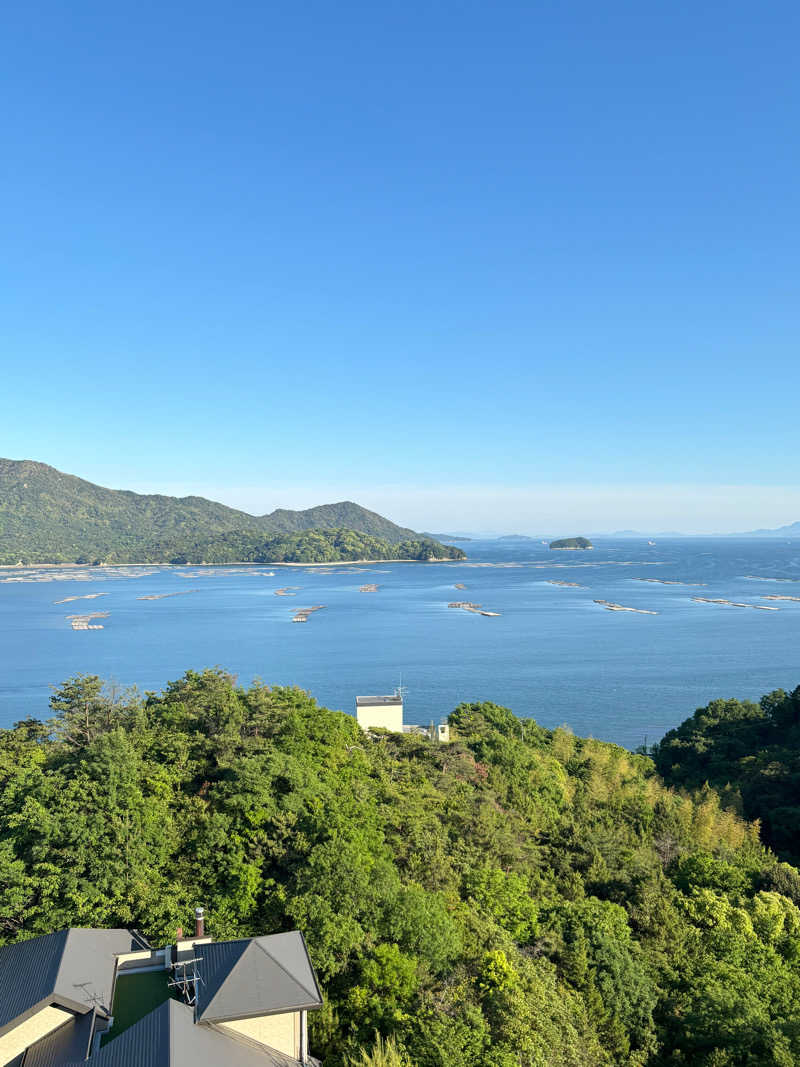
(66, 932)
(278, 963)
(245, 943)
(170, 1028)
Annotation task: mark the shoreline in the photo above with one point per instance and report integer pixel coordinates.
(234, 563)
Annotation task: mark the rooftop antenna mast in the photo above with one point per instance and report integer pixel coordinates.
(401, 690)
(186, 978)
(97, 1000)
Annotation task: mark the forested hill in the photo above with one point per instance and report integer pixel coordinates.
(310, 546)
(519, 897)
(751, 752)
(332, 516)
(50, 517)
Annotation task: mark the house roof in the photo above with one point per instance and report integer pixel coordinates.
(68, 1042)
(73, 968)
(371, 702)
(256, 976)
(168, 1037)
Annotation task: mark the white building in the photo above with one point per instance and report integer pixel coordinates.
(380, 713)
(386, 713)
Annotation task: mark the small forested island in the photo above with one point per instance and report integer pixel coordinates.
(312, 546)
(519, 896)
(571, 543)
(47, 516)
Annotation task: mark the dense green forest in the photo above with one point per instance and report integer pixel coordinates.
(312, 546)
(50, 517)
(751, 753)
(519, 898)
(572, 542)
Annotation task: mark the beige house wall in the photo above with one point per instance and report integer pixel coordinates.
(189, 942)
(27, 1033)
(188, 947)
(281, 1032)
(380, 717)
(144, 957)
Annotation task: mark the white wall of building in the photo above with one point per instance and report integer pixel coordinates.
(380, 717)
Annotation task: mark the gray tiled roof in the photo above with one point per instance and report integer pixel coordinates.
(169, 1037)
(73, 968)
(257, 976)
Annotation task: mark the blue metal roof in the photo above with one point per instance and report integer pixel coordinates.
(73, 968)
(256, 976)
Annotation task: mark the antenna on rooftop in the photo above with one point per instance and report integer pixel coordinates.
(186, 978)
(97, 1000)
(401, 690)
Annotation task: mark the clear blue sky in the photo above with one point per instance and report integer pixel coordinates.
(275, 249)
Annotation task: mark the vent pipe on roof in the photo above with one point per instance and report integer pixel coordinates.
(199, 922)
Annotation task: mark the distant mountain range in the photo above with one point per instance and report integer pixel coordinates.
(790, 531)
(50, 517)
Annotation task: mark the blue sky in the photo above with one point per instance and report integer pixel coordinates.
(421, 255)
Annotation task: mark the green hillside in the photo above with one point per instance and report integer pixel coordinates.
(50, 517)
(519, 898)
(751, 752)
(346, 515)
(311, 546)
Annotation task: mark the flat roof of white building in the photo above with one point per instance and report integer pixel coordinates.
(373, 701)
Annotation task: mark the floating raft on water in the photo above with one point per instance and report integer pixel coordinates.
(369, 588)
(476, 609)
(86, 596)
(610, 606)
(759, 578)
(164, 596)
(84, 622)
(663, 581)
(303, 613)
(732, 603)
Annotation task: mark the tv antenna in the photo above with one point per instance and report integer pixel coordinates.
(401, 690)
(186, 978)
(97, 1000)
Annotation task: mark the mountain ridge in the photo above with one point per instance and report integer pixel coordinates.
(792, 529)
(47, 516)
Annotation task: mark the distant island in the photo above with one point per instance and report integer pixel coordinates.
(571, 543)
(790, 531)
(50, 517)
(311, 546)
(516, 537)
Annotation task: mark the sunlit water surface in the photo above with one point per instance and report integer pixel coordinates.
(552, 653)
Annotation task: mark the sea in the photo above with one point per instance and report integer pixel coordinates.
(552, 652)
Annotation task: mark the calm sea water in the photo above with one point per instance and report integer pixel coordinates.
(552, 653)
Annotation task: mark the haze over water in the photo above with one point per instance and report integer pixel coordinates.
(552, 654)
